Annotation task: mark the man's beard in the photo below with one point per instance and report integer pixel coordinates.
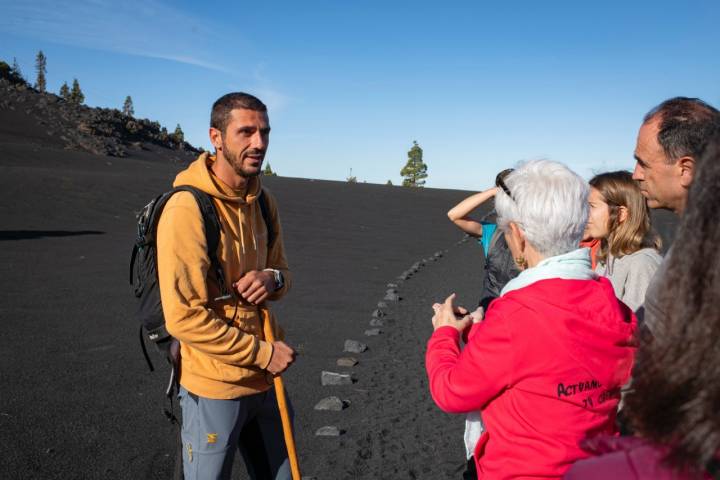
(236, 162)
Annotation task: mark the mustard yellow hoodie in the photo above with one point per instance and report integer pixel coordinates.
(223, 350)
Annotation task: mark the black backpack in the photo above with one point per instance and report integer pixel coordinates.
(143, 265)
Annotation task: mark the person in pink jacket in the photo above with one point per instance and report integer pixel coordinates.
(545, 365)
(674, 405)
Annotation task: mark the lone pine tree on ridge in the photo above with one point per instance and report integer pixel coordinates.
(414, 172)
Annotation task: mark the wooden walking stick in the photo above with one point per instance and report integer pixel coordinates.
(282, 402)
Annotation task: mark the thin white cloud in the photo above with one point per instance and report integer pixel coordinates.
(274, 100)
(144, 28)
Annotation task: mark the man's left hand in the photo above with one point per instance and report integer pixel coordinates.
(255, 286)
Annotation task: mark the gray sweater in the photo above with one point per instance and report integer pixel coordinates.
(652, 315)
(630, 275)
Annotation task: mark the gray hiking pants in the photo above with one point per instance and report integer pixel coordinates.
(213, 429)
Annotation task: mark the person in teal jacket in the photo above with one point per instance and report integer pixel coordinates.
(500, 267)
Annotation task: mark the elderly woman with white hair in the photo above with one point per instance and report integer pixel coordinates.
(545, 365)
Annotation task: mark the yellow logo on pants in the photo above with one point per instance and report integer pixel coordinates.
(212, 438)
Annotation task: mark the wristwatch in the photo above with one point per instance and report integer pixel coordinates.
(277, 276)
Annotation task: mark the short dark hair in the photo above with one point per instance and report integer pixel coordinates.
(222, 107)
(676, 384)
(686, 125)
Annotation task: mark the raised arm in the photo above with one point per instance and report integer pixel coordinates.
(459, 214)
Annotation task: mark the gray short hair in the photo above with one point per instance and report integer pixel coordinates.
(548, 202)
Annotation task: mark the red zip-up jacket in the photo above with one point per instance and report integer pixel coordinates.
(545, 368)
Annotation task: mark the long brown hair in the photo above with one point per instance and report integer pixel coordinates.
(675, 400)
(618, 189)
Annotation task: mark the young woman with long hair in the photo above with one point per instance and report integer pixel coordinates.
(629, 249)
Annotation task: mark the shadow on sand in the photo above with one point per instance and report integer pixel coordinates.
(35, 234)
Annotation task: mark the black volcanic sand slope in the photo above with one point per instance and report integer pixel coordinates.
(76, 399)
(346, 243)
(75, 402)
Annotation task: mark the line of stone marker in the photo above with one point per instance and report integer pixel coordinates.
(334, 403)
(327, 378)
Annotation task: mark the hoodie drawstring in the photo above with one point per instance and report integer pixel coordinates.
(242, 233)
(253, 214)
(251, 221)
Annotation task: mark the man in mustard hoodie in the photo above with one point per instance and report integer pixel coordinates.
(226, 392)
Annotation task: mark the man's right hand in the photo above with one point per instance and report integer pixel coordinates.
(282, 357)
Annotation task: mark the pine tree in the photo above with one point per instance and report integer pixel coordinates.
(389, 183)
(414, 172)
(65, 92)
(128, 107)
(41, 67)
(15, 70)
(76, 95)
(11, 73)
(178, 136)
(268, 172)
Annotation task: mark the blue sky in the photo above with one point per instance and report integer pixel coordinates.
(480, 85)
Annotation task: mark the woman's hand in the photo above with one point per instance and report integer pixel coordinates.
(446, 315)
(478, 315)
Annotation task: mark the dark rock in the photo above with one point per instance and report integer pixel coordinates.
(378, 313)
(101, 131)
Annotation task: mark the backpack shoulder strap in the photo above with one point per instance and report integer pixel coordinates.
(211, 223)
(264, 209)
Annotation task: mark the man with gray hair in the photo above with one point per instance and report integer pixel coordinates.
(671, 140)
